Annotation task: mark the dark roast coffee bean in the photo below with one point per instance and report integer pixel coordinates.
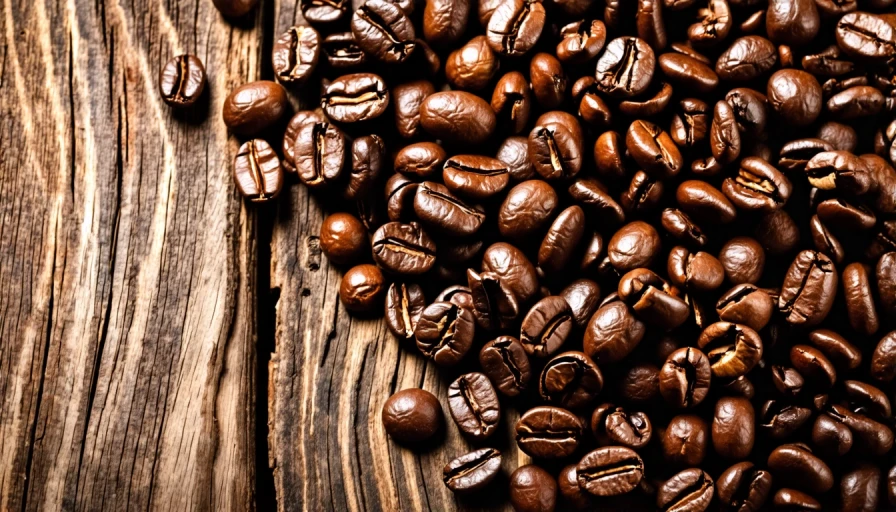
(514, 152)
(743, 487)
(843, 215)
(526, 209)
(865, 36)
(444, 21)
(532, 489)
(793, 22)
(648, 107)
(680, 226)
(555, 146)
(400, 193)
(868, 399)
(475, 177)
(635, 245)
(809, 289)
(546, 326)
(572, 495)
(794, 464)
(594, 197)
(403, 249)
(296, 123)
(253, 107)
(420, 160)
(257, 171)
(841, 136)
(548, 432)
(684, 440)
(581, 41)
(870, 437)
(320, 154)
(796, 154)
(746, 304)
(357, 97)
(813, 365)
(548, 80)
(843, 354)
(515, 26)
(839, 170)
(362, 288)
(610, 471)
(474, 405)
(747, 58)
(457, 117)
(593, 253)
(885, 273)
(571, 380)
(295, 54)
(505, 362)
(685, 378)
(691, 489)
(343, 239)
(858, 488)
(733, 428)
(825, 242)
(512, 100)
(342, 51)
(383, 31)
(583, 297)
(472, 65)
(690, 123)
(626, 67)
(613, 425)
(404, 305)
(513, 268)
(182, 81)
(437, 207)
(713, 24)
(794, 95)
(561, 240)
(757, 186)
(855, 102)
(831, 437)
(642, 195)
(444, 333)
(860, 307)
(750, 109)
(688, 72)
(791, 499)
(412, 415)
(777, 232)
(883, 360)
(733, 349)
(743, 260)
(407, 99)
(697, 271)
(653, 149)
(640, 383)
(368, 161)
(472, 471)
(702, 200)
(653, 299)
(608, 155)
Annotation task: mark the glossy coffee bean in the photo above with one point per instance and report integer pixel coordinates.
(626, 67)
(526, 209)
(404, 305)
(406, 100)
(697, 271)
(548, 80)
(342, 51)
(571, 380)
(546, 326)
(831, 437)
(794, 95)
(412, 415)
(809, 289)
(472, 66)
(733, 349)
(652, 299)
(581, 41)
(472, 471)
(684, 440)
(653, 149)
(866, 36)
(796, 465)
(701, 200)
(747, 58)
(685, 378)
(444, 333)
(743, 487)
(457, 117)
(548, 432)
(688, 72)
(532, 489)
(860, 308)
(561, 240)
(691, 489)
(362, 289)
(757, 186)
(475, 177)
(182, 81)
(506, 364)
(885, 274)
(635, 245)
(343, 238)
(515, 26)
(572, 496)
(404, 249)
(320, 154)
(746, 304)
(583, 297)
(614, 426)
(438, 208)
(257, 171)
(420, 160)
(512, 101)
(640, 383)
(555, 146)
(733, 428)
(859, 488)
(612, 333)
(643, 194)
(295, 55)
(610, 471)
(253, 107)
(777, 232)
(792, 499)
(883, 360)
(680, 225)
(355, 98)
(474, 405)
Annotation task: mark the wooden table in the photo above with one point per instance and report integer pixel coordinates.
(162, 345)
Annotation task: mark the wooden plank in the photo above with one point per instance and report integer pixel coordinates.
(127, 262)
(331, 374)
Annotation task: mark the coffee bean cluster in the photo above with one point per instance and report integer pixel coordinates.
(663, 231)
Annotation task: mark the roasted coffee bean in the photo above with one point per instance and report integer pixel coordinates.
(733, 428)
(885, 273)
(473, 404)
(515, 26)
(548, 432)
(548, 80)
(747, 58)
(831, 437)
(883, 360)
(746, 304)
(403, 249)
(526, 209)
(649, 22)
(581, 41)
(368, 161)
(383, 31)
(643, 194)
(809, 289)
(713, 24)
(475, 177)
(688, 72)
(796, 154)
(690, 125)
(839, 170)
(546, 326)
(612, 333)
(555, 146)
(320, 154)
(679, 225)
(640, 383)
(457, 117)
(357, 97)
(626, 67)
(685, 378)
(571, 380)
(825, 242)
(532, 489)
(343, 239)
(610, 471)
(750, 112)
(794, 95)
(593, 253)
(444, 21)
(400, 194)
(512, 100)
(513, 268)
(743, 487)
(573, 496)
(253, 107)
(813, 365)
(296, 123)
(456, 294)
(324, 11)
(696, 271)
(182, 80)
(444, 333)
(471, 66)
(608, 155)
(404, 305)
(420, 160)
(701, 200)
(472, 471)
(583, 297)
(444, 212)
(561, 240)
(868, 399)
(793, 22)
(362, 289)
(653, 299)
(777, 232)
(794, 464)
(234, 8)
(651, 106)
(505, 362)
(613, 425)
(684, 440)
(757, 186)
(597, 201)
(341, 49)
(870, 437)
(691, 489)
(860, 306)
(842, 137)
(733, 349)
(858, 488)
(653, 149)
(865, 36)
(257, 171)
(855, 102)
(844, 215)
(295, 54)
(635, 245)
(843, 354)
(514, 152)
(412, 415)
(407, 99)
(791, 499)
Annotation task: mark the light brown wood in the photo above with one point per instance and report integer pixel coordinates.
(127, 302)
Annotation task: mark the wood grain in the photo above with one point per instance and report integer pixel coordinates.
(127, 263)
(332, 372)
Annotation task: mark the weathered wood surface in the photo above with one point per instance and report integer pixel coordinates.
(127, 262)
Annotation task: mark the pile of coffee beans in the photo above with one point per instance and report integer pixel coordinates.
(662, 231)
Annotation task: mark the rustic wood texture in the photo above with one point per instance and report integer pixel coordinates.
(332, 372)
(127, 262)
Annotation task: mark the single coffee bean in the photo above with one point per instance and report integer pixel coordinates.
(684, 440)
(750, 109)
(400, 192)
(691, 489)
(403, 249)
(856, 102)
(583, 297)
(343, 239)
(383, 31)
(412, 415)
(548, 80)
(320, 154)
(745, 304)
(471, 66)
(526, 209)
(868, 399)
(809, 289)
(678, 224)
(362, 289)
(842, 137)
(831, 437)
(444, 212)
(546, 326)
(860, 306)
(635, 245)
(794, 464)
(794, 95)
(650, 106)
(757, 186)
(653, 149)
(612, 333)
(690, 123)
(649, 23)
(824, 241)
(700, 199)
(626, 67)
(743, 487)
(685, 378)
(474, 405)
(444, 333)
(548, 432)
(792, 499)
(444, 21)
(357, 97)
(733, 428)
(813, 365)
(777, 232)
(420, 160)
(713, 24)
(457, 117)
(866, 36)
(368, 156)
(182, 81)
(532, 489)
(643, 194)
(573, 496)
(780, 421)
(512, 100)
(858, 488)
(733, 349)
(342, 51)
(295, 54)
(581, 41)
(571, 380)
(296, 123)
(613, 425)
(475, 177)
(407, 99)
(698, 271)
(555, 146)
(404, 305)
(505, 362)
(883, 360)
(514, 152)
(688, 72)
(792, 22)
(593, 253)
(472, 471)
(257, 171)
(608, 155)
(610, 471)
(640, 383)
(747, 58)
(513, 268)
(253, 107)
(652, 299)
(561, 240)
(843, 354)
(594, 197)
(494, 303)
(515, 26)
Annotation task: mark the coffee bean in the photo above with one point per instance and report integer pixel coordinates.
(555, 146)
(615, 426)
(472, 65)
(404, 305)
(747, 58)
(680, 226)
(234, 8)
(526, 209)
(570, 379)
(652, 299)
(743, 487)
(860, 307)
(843, 354)
(792, 22)
(532, 489)
(412, 415)
(320, 154)
(698, 271)
(407, 98)
(438, 208)
(514, 152)
(791, 499)
(474, 405)
(626, 67)
(368, 161)
(505, 362)
(688, 72)
(257, 171)
(649, 106)
(713, 24)
(548, 432)
(511, 100)
(733, 349)
(684, 440)
(866, 36)
(746, 304)
(883, 360)
(295, 54)
(691, 489)
(777, 232)
(685, 378)
(733, 427)
(581, 41)
(459, 295)
(253, 107)
(472, 471)
(343, 239)
(561, 240)
(403, 249)
(653, 149)
(342, 51)
(809, 289)
(858, 488)
(444, 333)
(794, 95)
(362, 288)
(794, 464)
(573, 495)
(594, 197)
(757, 186)
(610, 471)
(182, 81)
(515, 26)
(475, 177)
(355, 98)
(457, 117)
(583, 297)
(546, 326)
(885, 273)
(643, 194)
